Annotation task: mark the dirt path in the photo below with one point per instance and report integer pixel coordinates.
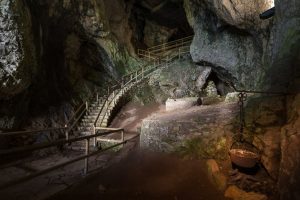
(145, 175)
(132, 114)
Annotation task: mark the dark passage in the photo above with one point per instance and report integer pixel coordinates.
(144, 175)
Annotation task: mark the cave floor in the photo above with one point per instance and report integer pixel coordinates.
(147, 175)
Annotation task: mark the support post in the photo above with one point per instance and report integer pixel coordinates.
(179, 52)
(67, 132)
(97, 96)
(95, 138)
(86, 160)
(122, 137)
(136, 76)
(86, 105)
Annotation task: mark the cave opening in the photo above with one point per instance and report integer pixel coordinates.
(222, 87)
(167, 18)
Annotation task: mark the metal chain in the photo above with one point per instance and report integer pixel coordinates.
(242, 98)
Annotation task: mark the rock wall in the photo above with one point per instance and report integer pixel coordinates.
(230, 37)
(169, 131)
(56, 53)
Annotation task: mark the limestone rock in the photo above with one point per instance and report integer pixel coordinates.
(215, 175)
(233, 54)
(202, 78)
(232, 97)
(181, 103)
(171, 130)
(17, 49)
(154, 34)
(211, 89)
(235, 193)
(289, 172)
(266, 111)
(271, 151)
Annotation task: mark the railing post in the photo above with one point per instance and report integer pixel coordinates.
(86, 161)
(94, 132)
(122, 136)
(67, 132)
(97, 97)
(136, 76)
(86, 105)
(179, 52)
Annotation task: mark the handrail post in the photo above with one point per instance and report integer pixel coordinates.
(67, 132)
(86, 105)
(97, 96)
(95, 138)
(136, 76)
(86, 160)
(122, 136)
(179, 52)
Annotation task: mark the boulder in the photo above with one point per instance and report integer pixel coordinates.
(232, 97)
(215, 175)
(154, 34)
(182, 103)
(235, 193)
(211, 89)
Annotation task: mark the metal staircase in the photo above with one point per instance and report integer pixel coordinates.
(99, 113)
(92, 117)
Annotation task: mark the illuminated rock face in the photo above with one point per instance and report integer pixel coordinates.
(16, 63)
(230, 36)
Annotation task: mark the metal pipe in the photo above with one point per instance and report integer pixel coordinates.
(51, 144)
(26, 178)
(86, 161)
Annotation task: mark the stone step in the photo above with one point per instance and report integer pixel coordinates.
(92, 121)
(91, 124)
(85, 128)
(86, 132)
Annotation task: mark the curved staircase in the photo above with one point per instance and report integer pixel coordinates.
(98, 114)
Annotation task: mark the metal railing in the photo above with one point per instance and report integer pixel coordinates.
(132, 78)
(163, 48)
(32, 148)
(174, 50)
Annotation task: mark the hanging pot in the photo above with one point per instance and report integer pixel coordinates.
(244, 154)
